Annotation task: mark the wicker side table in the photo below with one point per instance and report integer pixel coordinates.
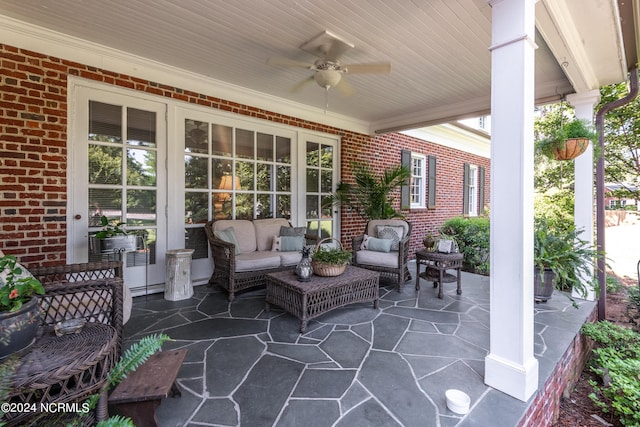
(437, 264)
(310, 299)
(65, 369)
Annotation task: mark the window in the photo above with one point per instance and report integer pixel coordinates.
(473, 190)
(417, 183)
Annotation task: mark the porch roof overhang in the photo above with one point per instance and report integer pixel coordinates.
(438, 51)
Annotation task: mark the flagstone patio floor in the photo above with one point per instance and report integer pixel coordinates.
(355, 366)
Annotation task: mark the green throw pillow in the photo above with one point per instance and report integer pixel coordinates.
(375, 244)
(292, 231)
(229, 236)
(287, 243)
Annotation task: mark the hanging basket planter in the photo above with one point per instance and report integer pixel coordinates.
(571, 148)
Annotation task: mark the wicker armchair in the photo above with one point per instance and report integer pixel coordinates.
(392, 265)
(70, 368)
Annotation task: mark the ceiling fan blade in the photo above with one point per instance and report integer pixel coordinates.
(301, 84)
(378, 68)
(286, 62)
(345, 88)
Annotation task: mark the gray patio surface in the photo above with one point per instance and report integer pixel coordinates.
(355, 366)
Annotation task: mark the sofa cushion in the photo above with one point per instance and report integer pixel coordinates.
(229, 236)
(290, 258)
(245, 232)
(257, 260)
(287, 243)
(265, 229)
(384, 259)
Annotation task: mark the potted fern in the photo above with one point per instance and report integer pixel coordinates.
(568, 140)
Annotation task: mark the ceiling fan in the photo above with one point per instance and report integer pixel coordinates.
(328, 70)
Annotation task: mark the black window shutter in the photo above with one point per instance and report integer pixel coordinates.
(465, 190)
(431, 188)
(405, 203)
(481, 189)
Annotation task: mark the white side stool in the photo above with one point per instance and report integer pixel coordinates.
(178, 279)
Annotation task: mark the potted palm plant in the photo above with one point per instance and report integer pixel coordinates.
(568, 140)
(561, 261)
(112, 238)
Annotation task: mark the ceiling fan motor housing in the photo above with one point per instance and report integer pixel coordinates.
(327, 78)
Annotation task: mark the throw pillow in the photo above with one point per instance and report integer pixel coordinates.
(292, 231)
(392, 233)
(374, 244)
(229, 236)
(287, 243)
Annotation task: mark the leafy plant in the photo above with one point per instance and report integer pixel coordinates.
(617, 361)
(332, 255)
(110, 229)
(370, 196)
(16, 287)
(472, 236)
(568, 256)
(576, 128)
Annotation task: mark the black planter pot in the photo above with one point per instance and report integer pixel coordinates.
(543, 284)
(18, 329)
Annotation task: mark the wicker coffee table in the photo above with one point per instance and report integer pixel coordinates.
(307, 300)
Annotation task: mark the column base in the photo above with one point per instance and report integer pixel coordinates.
(519, 381)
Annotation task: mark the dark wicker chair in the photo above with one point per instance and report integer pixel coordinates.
(224, 261)
(394, 266)
(75, 367)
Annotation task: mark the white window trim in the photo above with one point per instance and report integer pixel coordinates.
(423, 179)
(473, 190)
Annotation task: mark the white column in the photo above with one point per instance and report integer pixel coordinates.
(511, 366)
(583, 104)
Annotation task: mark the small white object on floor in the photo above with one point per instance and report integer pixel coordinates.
(458, 401)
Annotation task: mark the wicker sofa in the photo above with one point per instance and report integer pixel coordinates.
(390, 262)
(245, 265)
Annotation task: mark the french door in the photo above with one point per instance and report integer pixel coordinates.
(117, 160)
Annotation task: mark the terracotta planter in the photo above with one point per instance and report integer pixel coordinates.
(18, 329)
(543, 286)
(571, 149)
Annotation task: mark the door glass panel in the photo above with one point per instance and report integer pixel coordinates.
(196, 208)
(264, 177)
(312, 180)
(244, 206)
(312, 154)
(312, 206)
(326, 206)
(263, 208)
(222, 206)
(284, 178)
(141, 207)
(105, 122)
(141, 167)
(141, 128)
(105, 164)
(244, 144)
(195, 172)
(265, 147)
(221, 140)
(220, 168)
(244, 170)
(283, 203)
(283, 149)
(326, 160)
(320, 184)
(325, 229)
(326, 183)
(104, 201)
(196, 137)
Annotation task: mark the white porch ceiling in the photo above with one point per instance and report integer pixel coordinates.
(438, 49)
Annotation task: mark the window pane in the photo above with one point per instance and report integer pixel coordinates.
(263, 208)
(221, 140)
(326, 160)
(284, 178)
(326, 183)
(196, 137)
(196, 208)
(196, 239)
(325, 229)
(244, 170)
(105, 122)
(104, 201)
(312, 227)
(195, 172)
(312, 207)
(312, 180)
(264, 177)
(222, 205)
(283, 206)
(313, 154)
(327, 207)
(244, 144)
(105, 165)
(141, 127)
(244, 206)
(141, 207)
(265, 147)
(141, 167)
(220, 168)
(283, 149)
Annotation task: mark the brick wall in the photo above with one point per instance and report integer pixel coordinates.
(33, 153)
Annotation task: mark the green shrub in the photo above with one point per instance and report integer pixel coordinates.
(472, 237)
(634, 296)
(616, 359)
(613, 284)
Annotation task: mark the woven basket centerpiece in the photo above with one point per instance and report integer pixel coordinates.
(321, 268)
